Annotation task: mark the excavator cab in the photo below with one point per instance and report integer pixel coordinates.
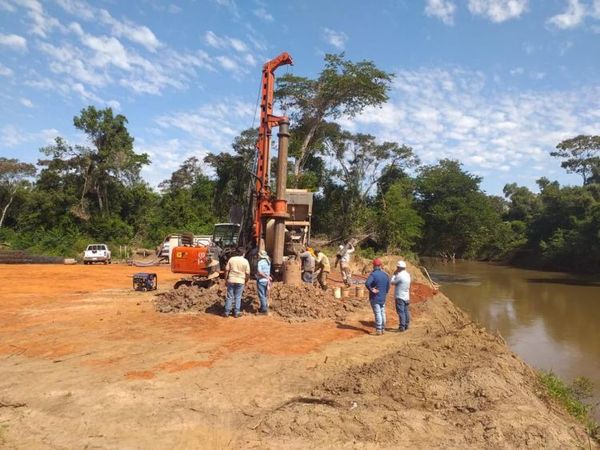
(226, 235)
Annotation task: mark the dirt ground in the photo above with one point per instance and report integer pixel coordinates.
(85, 362)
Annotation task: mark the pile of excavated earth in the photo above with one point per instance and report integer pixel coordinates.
(450, 385)
(291, 303)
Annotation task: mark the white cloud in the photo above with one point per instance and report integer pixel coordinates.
(336, 38)
(459, 114)
(42, 23)
(262, 13)
(5, 71)
(498, 10)
(225, 42)
(11, 136)
(140, 34)
(442, 9)
(26, 102)
(571, 18)
(13, 42)
(228, 63)
(78, 8)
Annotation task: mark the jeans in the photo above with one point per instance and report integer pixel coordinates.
(403, 310)
(307, 277)
(234, 292)
(262, 289)
(379, 312)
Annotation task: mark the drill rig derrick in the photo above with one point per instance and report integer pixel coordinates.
(266, 204)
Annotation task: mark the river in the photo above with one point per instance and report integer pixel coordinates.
(552, 320)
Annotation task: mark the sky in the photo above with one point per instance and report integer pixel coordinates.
(496, 84)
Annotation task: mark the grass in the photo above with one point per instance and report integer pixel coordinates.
(574, 398)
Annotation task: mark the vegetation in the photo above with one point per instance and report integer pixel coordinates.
(574, 398)
(363, 187)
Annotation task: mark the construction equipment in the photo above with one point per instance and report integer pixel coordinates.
(266, 210)
(143, 281)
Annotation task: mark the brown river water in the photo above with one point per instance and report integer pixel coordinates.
(551, 319)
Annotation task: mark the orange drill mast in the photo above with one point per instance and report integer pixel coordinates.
(266, 205)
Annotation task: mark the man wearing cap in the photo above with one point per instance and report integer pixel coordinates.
(263, 277)
(378, 285)
(401, 281)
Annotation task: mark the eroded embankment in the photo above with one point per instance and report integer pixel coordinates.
(451, 384)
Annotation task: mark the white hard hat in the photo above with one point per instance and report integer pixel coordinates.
(401, 264)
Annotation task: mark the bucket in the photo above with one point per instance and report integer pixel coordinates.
(337, 292)
(360, 292)
(346, 293)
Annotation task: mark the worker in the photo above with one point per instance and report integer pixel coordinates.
(323, 268)
(401, 281)
(378, 285)
(343, 258)
(237, 273)
(308, 266)
(263, 281)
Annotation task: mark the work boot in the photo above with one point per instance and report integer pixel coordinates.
(263, 312)
(377, 333)
(237, 314)
(225, 314)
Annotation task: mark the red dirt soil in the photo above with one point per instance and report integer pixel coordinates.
(58, 312)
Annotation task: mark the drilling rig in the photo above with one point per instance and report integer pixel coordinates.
(205, 262)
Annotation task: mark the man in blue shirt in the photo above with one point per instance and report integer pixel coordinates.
(263, 277)
(378, 285)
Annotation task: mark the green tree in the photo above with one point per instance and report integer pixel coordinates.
(358, 163)
(234, 173)
(399, 224)
(14, 177)
(109, 159)
(581, 155)
(343, 88)
(459, 218)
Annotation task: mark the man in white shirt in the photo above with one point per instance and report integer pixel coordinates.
(237, 273)
(343, 257)
(401, 281)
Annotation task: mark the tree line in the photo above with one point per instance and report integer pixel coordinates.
(378, 191)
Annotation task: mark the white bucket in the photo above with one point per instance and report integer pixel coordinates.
(337, 292)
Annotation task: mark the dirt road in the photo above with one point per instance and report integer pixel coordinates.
(85, 362)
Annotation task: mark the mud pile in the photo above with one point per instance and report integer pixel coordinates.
(292, 303)
(456, 386)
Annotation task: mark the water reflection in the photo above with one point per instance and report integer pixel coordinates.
(551, 319)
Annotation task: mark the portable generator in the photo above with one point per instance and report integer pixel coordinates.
(143, 281)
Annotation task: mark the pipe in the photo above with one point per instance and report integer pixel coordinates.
(280, 196)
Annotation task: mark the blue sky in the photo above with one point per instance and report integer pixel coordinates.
(493, 83)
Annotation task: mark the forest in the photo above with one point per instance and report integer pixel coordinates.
(378, 190)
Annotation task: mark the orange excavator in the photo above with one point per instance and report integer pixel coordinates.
(204, 263)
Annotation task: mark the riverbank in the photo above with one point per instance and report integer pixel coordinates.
(84, 361)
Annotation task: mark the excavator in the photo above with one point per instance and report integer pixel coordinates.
(263, 225)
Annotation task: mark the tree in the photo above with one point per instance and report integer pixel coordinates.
(343, 88)
(358, 162)
(234, 172)
(184, 177)
(110, 159)
(581, 155)
(399, 223)
(13, 178)
(459, 218)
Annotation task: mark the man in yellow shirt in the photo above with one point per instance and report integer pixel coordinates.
(323, 268)
(237, 273)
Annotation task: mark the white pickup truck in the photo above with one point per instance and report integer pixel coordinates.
(97, 253)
